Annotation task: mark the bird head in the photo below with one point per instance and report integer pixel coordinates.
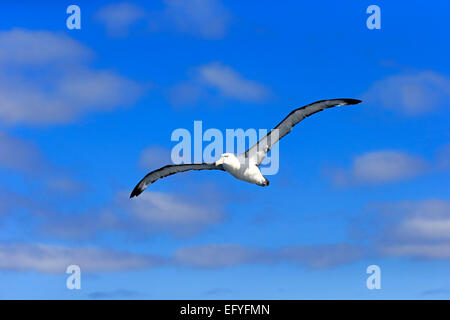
(223, 158)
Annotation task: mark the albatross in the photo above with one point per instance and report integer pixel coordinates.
(245, 166)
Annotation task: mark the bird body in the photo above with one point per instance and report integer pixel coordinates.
(245, 166)
(242, 168)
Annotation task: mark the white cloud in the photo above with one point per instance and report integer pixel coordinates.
(430, 228)
(10, 201)
(46, 258)
(23, 157)
(55, 259)
(151, 213)
(159, 211)
(154, 158)
(443, 157)
(34, 94)
(225, 255)
(65, 185)
(186, 94)
(231, 84)
(380, 167)
(207, 19)
(215, 255)
(386, 166)
(217, 79)
(421, 220)
(410, 94)
(119, 17)
(414, 229)
(22, 47)
(204, 18)
(323, 256)
(420, 251)
(85, 225)
(20, 155)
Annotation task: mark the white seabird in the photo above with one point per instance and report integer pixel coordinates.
(244, 166)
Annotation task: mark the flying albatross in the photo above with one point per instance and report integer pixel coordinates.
(244, 166)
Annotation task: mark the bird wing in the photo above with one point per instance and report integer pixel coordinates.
(258, 152)
(169, 170)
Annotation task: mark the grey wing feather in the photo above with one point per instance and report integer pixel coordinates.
(169, 170)
(258, 152)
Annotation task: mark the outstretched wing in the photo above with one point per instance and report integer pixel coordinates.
(258, 152)
(169, 170)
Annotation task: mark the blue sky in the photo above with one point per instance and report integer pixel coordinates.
(84, 114)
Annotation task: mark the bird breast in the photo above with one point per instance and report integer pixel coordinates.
(244, 171)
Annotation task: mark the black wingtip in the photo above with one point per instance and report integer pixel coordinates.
(352, 101)
(136, 191)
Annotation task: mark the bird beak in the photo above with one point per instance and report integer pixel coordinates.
(219, 162)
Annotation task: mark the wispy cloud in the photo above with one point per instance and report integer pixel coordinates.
(311, 256)
(230, 83)
(153, 213)
(10, 201)
(20, 155)
(443, 157)
(217, 79)
(35, 95)
(173, 213)
(84, 225)
(414, 218)
(378, 167)
(420, 251)
(21, 47)
(410, 94)
(55, 259)
(425, 220)
(25, 158)
(154, 157)
(46, 258)
(204, 18)
(65, 185)
(119, 17)
(323, 256)
(218, 255)
(409, 229)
